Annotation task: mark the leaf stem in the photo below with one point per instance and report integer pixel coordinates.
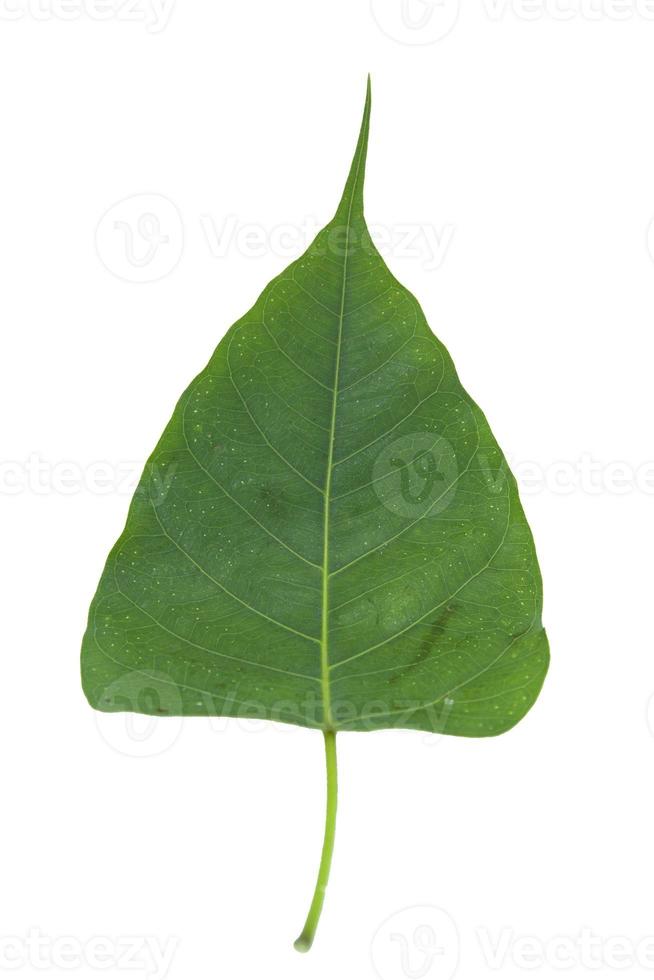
(306, 937)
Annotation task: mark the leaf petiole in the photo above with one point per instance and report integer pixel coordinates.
(305, 939)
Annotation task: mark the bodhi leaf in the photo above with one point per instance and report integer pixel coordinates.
(327, 532)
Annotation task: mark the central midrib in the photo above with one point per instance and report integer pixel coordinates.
(324, 636)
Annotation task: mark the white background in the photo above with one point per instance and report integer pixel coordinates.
(523, 140)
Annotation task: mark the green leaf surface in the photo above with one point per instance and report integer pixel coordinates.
(327, 532)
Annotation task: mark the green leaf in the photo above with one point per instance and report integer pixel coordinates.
(327, 532)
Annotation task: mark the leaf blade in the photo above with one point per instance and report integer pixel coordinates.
(327, 532)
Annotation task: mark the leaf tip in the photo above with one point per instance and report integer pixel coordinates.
(351, 203)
